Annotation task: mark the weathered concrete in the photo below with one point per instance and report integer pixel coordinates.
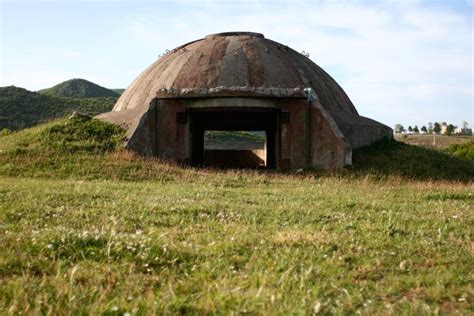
(172, 134)
(247, 76)
(229, 61)
(294, 142)
(361, 131)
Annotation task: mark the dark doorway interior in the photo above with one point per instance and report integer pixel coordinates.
(238, 119)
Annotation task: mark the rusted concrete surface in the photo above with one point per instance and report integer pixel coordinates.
(242, 72)
(294, 142)
(229, 60)
(172, 133)
(328, 150)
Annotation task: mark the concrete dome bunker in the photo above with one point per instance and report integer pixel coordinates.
(242, 81)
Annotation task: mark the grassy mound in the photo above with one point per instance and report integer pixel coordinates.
(20, 108)
(255, 137)
(82, 134)
(389, 158)
(81, 147)
(234, 139)
(88, 148)
(465, 151)
(79, 88)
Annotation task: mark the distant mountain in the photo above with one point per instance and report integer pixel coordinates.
(119, 91)
(79, 88)
(20, 108)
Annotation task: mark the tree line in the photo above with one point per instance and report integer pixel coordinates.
(434, 128)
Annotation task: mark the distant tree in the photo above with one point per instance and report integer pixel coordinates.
(430, 128)
(399, 128)
(410, 129)
(416, 130)
(449, 129)
(423, 129)
(437, 128)
(465, 125)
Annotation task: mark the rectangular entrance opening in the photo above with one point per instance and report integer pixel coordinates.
(235, 149)
(234, 138)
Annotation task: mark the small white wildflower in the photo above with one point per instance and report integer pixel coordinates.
(49, 246)
(317, 307)
(126, 314)
(402, 265)
(115, 308)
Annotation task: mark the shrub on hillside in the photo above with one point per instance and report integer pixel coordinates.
(82, 134)
(465, 151)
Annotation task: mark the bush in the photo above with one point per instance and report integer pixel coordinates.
(465, 151)
(82, 134)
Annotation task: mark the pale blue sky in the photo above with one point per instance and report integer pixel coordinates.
(399, 61)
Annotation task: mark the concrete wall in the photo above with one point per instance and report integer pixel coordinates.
(329, 151)
(141, 136)
(164, 130)
(172, 130)
(293, 137)
(361, 131)
(296, 146)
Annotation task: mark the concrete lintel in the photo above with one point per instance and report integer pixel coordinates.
(234, 91)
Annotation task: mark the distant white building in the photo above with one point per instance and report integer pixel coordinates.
(463, 131)
(444, 128)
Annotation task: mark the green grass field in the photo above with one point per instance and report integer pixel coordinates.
(435, 141)
(88, 228)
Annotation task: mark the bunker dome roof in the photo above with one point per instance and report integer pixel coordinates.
(229, 64)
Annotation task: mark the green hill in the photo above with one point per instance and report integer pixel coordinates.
(119, 91)
(79, 88)
(20, 108)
